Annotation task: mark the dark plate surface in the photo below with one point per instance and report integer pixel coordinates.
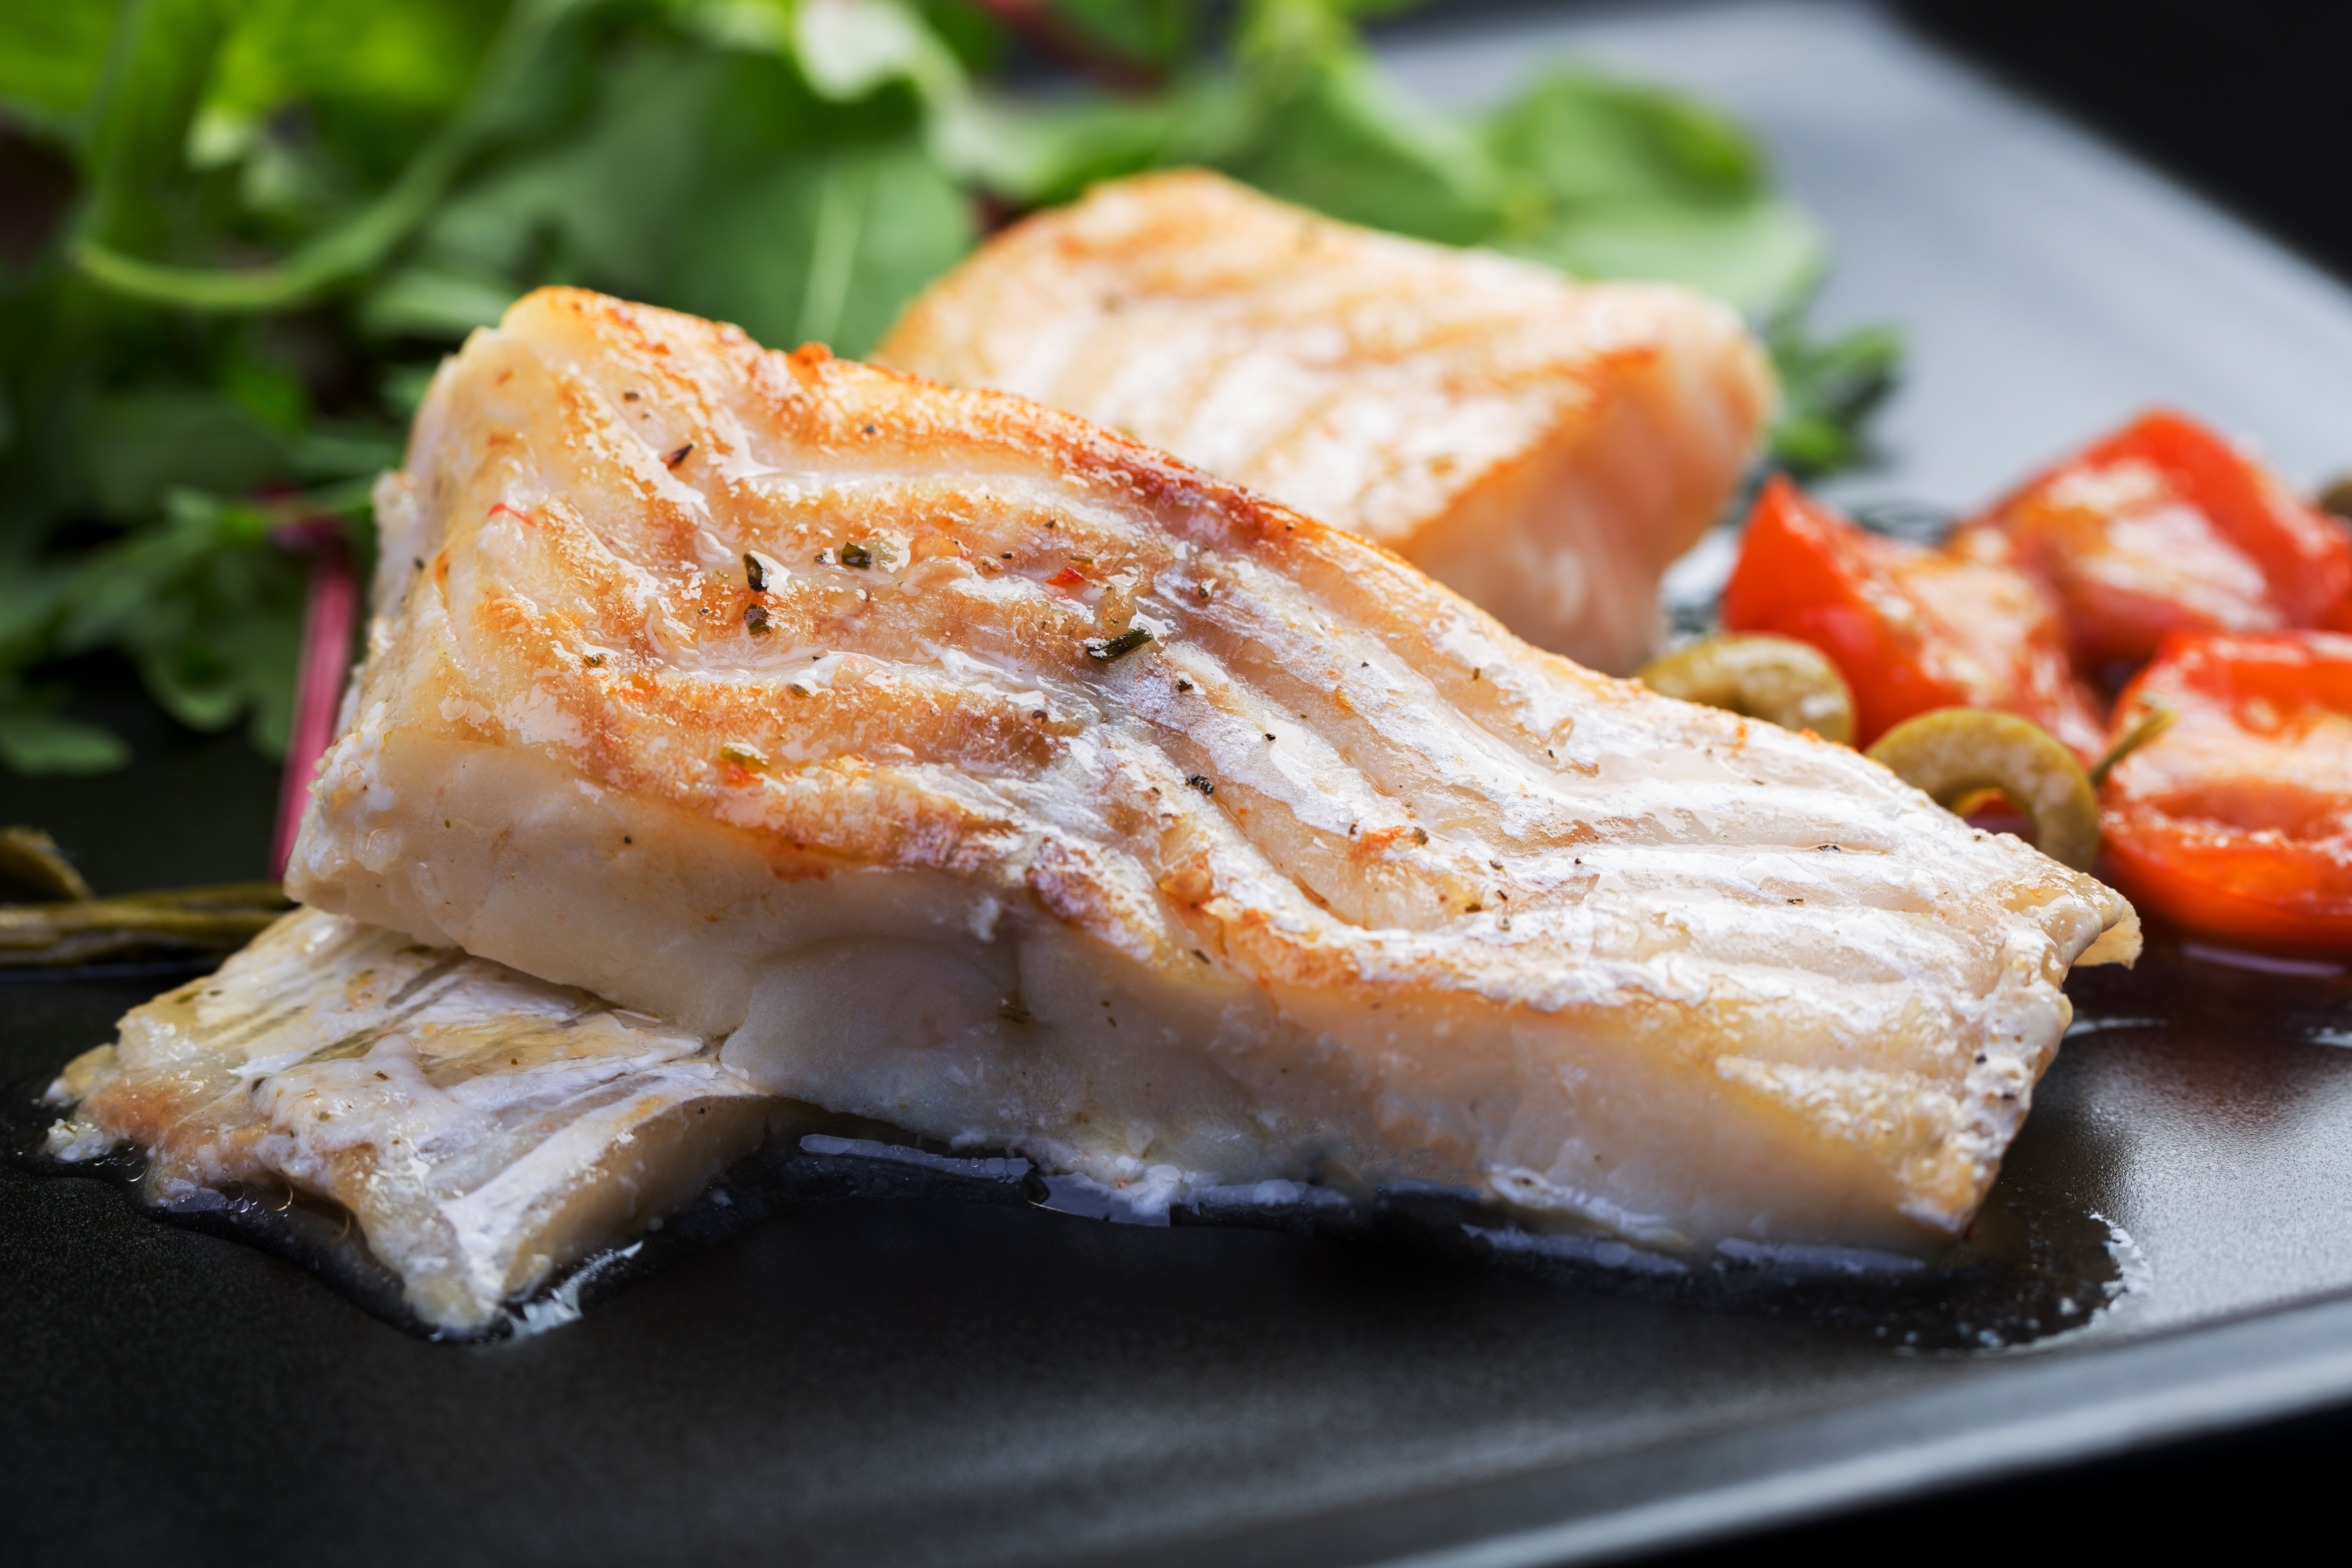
(897, 1380)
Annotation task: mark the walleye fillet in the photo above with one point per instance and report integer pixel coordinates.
(1542, 446)
(964, 766)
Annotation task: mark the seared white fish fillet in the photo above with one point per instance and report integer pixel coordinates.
(1031, 790)
(1544, 447)
(484, 1128)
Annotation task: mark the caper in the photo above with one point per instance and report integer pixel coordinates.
(1954, 753)
(1776, 679)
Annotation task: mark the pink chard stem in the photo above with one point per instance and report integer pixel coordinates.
(330, 611)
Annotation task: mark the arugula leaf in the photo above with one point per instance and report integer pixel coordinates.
(1579, 136)
(1617, 179)
(439, 302)
(211, 615)
(145, 441)
(824, 249)
(601, 202)
(1031, 156)
(1758, 254)
(205, 608)
(354, 245)
(386, 73)
(847, 52)
(723, 183)
(1347, 142)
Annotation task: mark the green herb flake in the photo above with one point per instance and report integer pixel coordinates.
(1103, 650)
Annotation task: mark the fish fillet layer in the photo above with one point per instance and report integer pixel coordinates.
(485, 1129)
(1115, 815)
(1544, 447)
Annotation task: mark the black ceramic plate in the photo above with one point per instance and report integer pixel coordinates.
(895, 1378)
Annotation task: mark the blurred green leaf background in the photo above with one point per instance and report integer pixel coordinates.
(235, 236)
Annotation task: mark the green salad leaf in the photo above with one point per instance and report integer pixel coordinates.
(1616, 179)
(241, 233)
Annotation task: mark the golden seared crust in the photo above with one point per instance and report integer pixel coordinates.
(1143, 818)
(1544, 447)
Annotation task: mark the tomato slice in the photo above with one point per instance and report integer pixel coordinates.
(2236, 822)
(2166, 526)
(1910, 628)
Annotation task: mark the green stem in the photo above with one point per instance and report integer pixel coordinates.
(2155, 718)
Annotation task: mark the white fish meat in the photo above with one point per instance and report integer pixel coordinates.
(962, 765)
(933, 756)
(1544, 447)
(484, 1129)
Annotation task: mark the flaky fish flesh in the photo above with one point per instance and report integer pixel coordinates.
(738, 727)
(484, 1129)
(1542, 446)
(960, 764)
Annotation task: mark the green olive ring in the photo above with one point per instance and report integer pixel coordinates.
(1953, 753)
(1776, 679)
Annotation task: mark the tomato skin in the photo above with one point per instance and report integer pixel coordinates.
(1910, 628)
(2237, 822)
(2165, 526)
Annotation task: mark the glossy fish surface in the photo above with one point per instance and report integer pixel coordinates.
(964, 766)
(484, 1129)
(1543, 446)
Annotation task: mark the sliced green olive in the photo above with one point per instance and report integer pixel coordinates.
(1955, 752)
(1776, 679)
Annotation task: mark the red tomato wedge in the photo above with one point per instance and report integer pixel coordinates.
(1910, 628)
(2236, 822)
(2166, 526)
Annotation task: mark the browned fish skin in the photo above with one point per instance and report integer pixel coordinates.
(1544, 447)
(1331, 874)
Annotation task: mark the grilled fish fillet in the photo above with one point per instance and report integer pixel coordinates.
(1543, 447)
(484, 1128)
(962, 765)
